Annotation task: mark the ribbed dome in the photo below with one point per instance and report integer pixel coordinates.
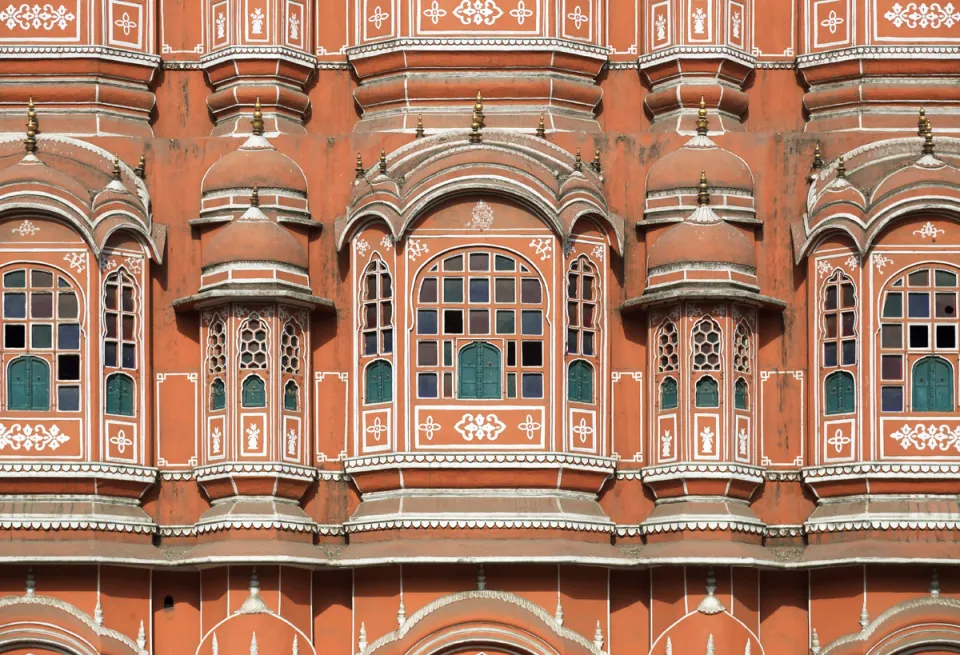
(255, 164)
(254, 238)
(691, 242)
(31, 169)
(724, 169)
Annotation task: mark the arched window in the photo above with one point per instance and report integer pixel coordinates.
(838, 332)
(742, 352)
(120, 395)
(932, 389)
(120, 321)
(253, 344)
(669, 399)
(582, 309)
(740, 394)
(218, 395)
(376, 312)
(839, 392)
(379, 382)
(290, 349)
(28, 385)
(291, 396)
(668, 344)
(254, 392)
(707, 345)
(580, 382)
(217, 348)
(488, 295)
(918, 320)
(479, 371)
(708, 392)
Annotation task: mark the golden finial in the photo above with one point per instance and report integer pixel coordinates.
(578, 164)
(817, 158)
(419, 126)
(31, 142)
(116, 168)
(922, 123)
(841, 169)
(141, 169)
(255, 197)
(257, 122)
(359, 168)
(383, 162)
(703, 191)
(541, 128)
(478, 108)
(595, 164)
(702, 118)
(928, 141)
(475, 129)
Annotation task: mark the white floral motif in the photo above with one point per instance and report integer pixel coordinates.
(742, 442)
(929, 230)
(215, 438)
(478, 11)
(661, 28)
(480, 427)
(699, 21)
(482, 217)
(434, 12)
(582, 430)
(26, 437)
(543, 247)
(26, 229)
(135, 264)
(529, 426)
(121, 441)
(666, 441)
(879, 261)
(125, 23)
(293, 24)
(578, 17)
(387, 242)
(77, 260)
(26, 17)
(928, 437)
(521, 13)
(377, 429)
(832, 22)
(737, 21)
(379, 17)
(221, 25)
(417, 248)
(256, 21)
(253, 436)
(362, 246)
(824, 268)
(922, 15)
(838, 440)
(429, 427)
(706, 440)
(292, 438)
(598, 253)
(107, 263)
(851, 262)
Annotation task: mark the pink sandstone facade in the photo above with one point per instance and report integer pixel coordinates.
(479, 327)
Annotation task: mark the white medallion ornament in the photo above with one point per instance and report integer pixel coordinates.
(482, 217)
(31, 438)
(480, 427)
(928, 437)
(485, 12)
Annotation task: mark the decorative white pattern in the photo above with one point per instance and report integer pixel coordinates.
(379, 17)
(121, 441)
(824, 268)
(699, 21)
(578, 17)
(736, 20)
(377, 428)
(221, 25)
(832, 22)
(362, 246)
(293, 25)
(215, 438)
(292, 438)
(879, 261)
(387, 242)
(480, 427)
(666, 443)
(37, 437)
(838, 440)
(742, 441)
(417, 248)
(25, 229)
(923, 15)
(582, 430)
(434, 12)
(661, 28)
(76, 260)
(706, 440)
(482, 217)
(529, 426)
(26, 17)
(135, 264)
(125, 23)
(928, 437)
(543, 247)
(479, 11)
(256, 21)
(598, 253)
(851, 262)
(253, 436)
(929, 230)
(429, 427)
(521, 13)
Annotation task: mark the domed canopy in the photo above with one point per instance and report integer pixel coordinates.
(254, 238)
(724, 169)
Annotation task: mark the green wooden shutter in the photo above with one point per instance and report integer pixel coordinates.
(580, 382)
(668, 394)
(740, 394)
(254, 392)
(848, 401)
(489, 372)
(113, 395)
(840, 393)
(469, 373)
(18, 387)
(290, 396)
(708, 394)
(479, 371)
(218, 399)
(379, 382)
(126, 395)
(39, 385)
(932, 386)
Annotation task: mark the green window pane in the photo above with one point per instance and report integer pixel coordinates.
(41, 336)
(254, 392)
(708, 393)
(669, 398)
(218, 396)
(15, 279)
(290, 396)
(740, 394)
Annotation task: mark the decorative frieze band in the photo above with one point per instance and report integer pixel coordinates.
(476, 460)
(397, 45)
(478, 524)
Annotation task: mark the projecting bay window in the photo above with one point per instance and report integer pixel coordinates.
(121, 307)
(583, 318)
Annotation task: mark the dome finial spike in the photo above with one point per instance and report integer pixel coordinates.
(478, 108)
(542, 128)
(927, 148)
(420, 126)
(383, 161)
(595, 164)
(254, 202)
(116, 168)
(32, 128)
(578, 163)
(141, 169)
(922, 123)
(817, 158)
(702, 125)
(841, 168)
(703, 191)
(257, 122)
(359, 169)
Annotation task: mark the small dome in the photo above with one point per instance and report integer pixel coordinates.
(255, 164)
(724, 169)
(690, 242)
(31, 169)
(254, 238)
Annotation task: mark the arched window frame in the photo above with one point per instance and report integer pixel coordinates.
(583, 293)
(839, 393)
(706, 354)
(480, 294)
(918, 318)
(839, 330)
(218, 395)
(118, 400)
(742, 358)
(292, 362)
(248, 387)
(707, 384)
(668, 394)
(741, 394)
(942, 402)
(55, 334)
(581, 382)
(376, 315)
(33, 395)
(378, 373)
(668, 347)
(216, 356)
(291, 396)
(121, 321)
